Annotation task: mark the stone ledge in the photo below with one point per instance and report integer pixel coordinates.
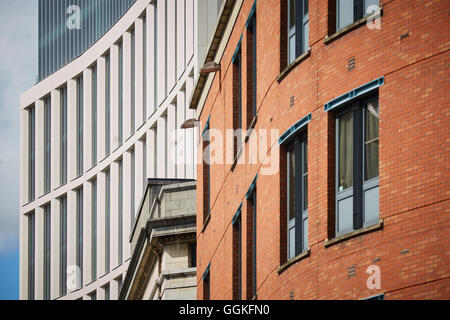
(292, 66)
(353, 234)
(294, 260)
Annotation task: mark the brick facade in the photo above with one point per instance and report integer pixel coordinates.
(411, 52)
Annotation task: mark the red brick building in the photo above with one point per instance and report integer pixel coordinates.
(358, 204)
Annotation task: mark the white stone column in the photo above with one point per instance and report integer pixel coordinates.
(171, 35)
(139, 72)
(101, 109)
(71, 235)
(40, 146)
(161, 67)
(71, 130)
(189, 30)
(114, 222)
(87, 233)
(55, 139)
(55, 249)
(101, 187)
(126, 85)
(151, 48)
(39, 254)
(25, 156)
(114, 290)
(170, 140)
(114, 97)
(181, 38)
(190, 134)
(181, 135)
(161, 146)
(126, 163)
(151, 153)
(23, 256)
(87, 119)
(139, 172)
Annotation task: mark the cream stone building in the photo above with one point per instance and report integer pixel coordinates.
(115, 79)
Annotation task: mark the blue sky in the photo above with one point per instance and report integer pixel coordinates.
(18, 69)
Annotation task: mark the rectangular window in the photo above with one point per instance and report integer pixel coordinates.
(106, 288)
(120, 92)
(251, 70)
(133, 188)
(297, 196)
(237, 258)
(206, 174)
(32, 153)
(349, 11)
(192, 251)
(47, 251)
(94, 230)
(31, 255)
(251, 244)
(80, 125)
(133, 81)
(63, 133)
(207, 284)
(48, 144)
(107, 220)
(79, 233)
(237, 101)
(93, 295)
(63, 253)
(120, 226)
(298, 28)
(94, 115)
(357, 138)
(108, 105)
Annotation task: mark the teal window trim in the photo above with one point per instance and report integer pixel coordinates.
(252, 13)
(236, 52)
(353, 94)
(237, 214)
(251, 188)
(205, 274)
(206, 126)
(294, 129)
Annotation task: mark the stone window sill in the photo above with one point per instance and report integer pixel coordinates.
(292, 66)
(354, 25)
(293, 261)
(353, 234)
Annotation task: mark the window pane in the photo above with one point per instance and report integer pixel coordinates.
(371, 140)
(345, 13)
(305, 7)
(291, 184)
(369, 6)
(345, 151)
(291, 13)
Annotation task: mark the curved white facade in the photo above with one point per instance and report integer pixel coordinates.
(163, 82)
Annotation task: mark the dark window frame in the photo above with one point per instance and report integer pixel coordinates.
(301, 23)
(237, 256)
(252, 229)
(252, 108)
(298, 145)
(359, 184)
(206, 173)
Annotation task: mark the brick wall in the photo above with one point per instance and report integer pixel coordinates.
(411, 51)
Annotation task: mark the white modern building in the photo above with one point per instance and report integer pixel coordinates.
(115, 78)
